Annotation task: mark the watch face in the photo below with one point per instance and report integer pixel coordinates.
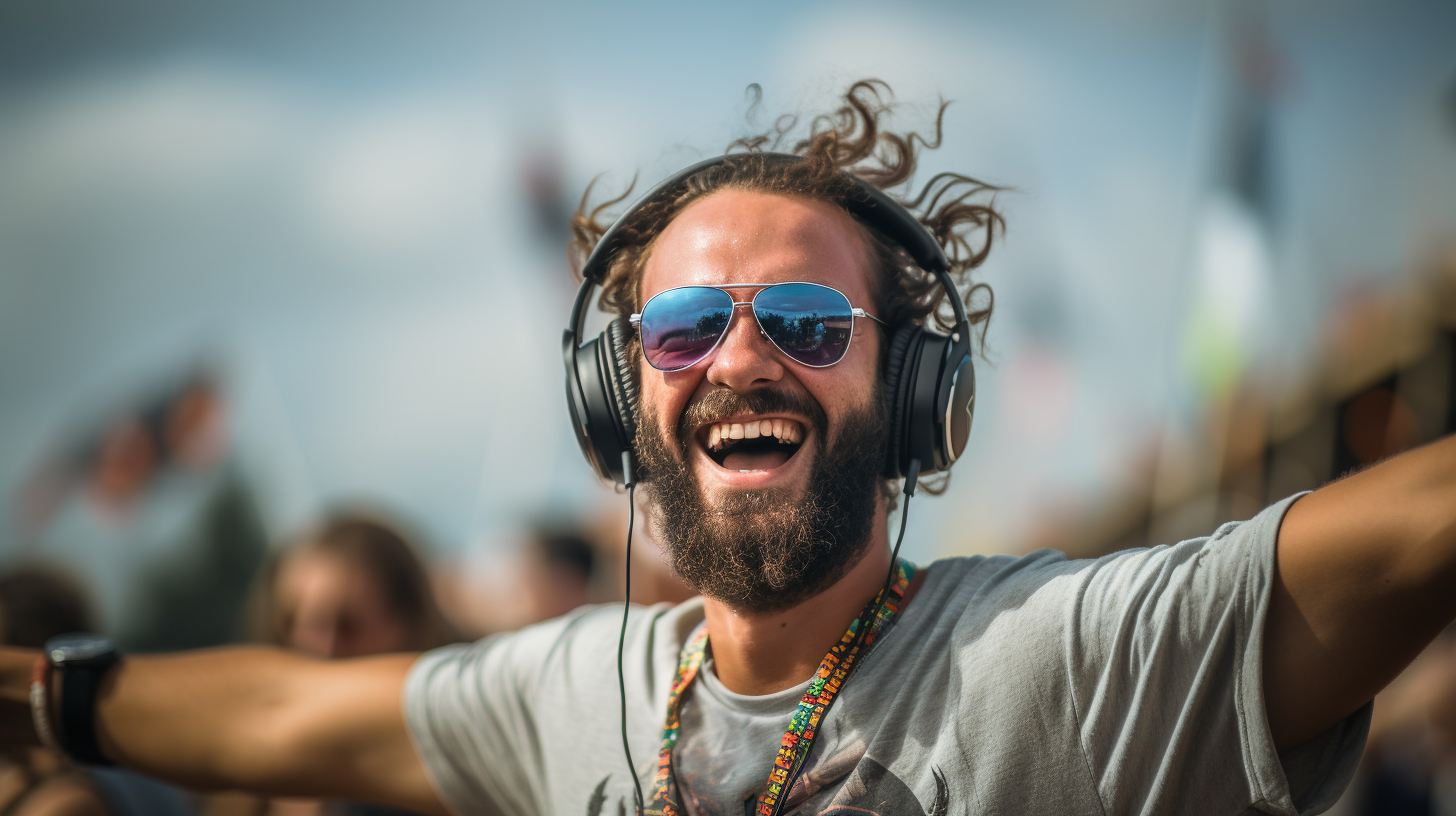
(78, 648)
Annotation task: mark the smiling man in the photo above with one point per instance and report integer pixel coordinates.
(759, 521)
(770, 378)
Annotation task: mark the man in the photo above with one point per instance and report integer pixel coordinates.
(1222, 675)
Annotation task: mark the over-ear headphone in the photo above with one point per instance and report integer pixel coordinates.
(928, 376)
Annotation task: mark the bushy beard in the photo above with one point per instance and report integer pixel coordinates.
(765, 550)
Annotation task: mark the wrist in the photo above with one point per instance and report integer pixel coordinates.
(77, 665)
(40, 699)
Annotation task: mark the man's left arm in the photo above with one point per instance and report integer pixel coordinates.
(1366, 578)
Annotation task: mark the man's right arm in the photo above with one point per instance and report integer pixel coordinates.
(254, 719)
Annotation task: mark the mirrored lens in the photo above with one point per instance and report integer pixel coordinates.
(681, 326)
(808, 322)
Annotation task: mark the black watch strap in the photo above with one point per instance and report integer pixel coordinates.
(82, 662)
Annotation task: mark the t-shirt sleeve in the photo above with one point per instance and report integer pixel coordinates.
(468, 711)
(1165, 655)
(477, 712)
(527, 723)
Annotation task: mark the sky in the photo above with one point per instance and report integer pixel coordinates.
(329, 205)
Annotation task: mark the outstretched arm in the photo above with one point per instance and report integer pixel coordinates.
(253, 719)
(1366, 578)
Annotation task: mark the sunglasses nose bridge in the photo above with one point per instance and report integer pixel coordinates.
(737, 304)
(744, 355)
(757, 326)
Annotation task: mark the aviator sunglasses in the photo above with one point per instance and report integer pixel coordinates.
(810, 323)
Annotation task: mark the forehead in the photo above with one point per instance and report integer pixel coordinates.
(311, 569)
(739, 236)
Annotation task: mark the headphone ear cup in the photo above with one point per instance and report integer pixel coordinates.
(616, 345)
(925, 409)
(601, 395)
(899, 384)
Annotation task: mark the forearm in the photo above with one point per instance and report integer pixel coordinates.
(253, 719)
(226, 718)
(261, 720)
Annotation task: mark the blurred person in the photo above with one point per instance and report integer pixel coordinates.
(194, 430)
(125, 463)
(353, 587)
(558, 573)
(152, 512)
(1227, 674)
(36, 604)
(566, 568)
(556, 566)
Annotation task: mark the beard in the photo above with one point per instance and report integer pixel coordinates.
(766, 550)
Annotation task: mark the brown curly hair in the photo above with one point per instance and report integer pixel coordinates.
(850, 142)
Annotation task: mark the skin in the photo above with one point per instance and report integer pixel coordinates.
(1366, 572)
(331, 607)
(1366, 579)
(737, 236)
(37, 784)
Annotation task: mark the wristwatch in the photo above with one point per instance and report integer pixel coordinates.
(82, 660)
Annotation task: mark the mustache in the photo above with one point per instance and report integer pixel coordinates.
(720, 403)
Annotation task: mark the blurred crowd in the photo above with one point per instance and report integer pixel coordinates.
(150, 509)
(353, 585)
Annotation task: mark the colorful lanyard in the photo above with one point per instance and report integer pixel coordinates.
(794, 748)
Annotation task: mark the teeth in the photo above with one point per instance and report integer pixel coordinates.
(786, 431)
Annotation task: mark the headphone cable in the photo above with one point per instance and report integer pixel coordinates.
(912, 477)
(622, 638)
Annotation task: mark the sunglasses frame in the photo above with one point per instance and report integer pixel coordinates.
(854, 311)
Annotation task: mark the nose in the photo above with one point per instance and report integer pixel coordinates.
(745, 359)
(317, 636)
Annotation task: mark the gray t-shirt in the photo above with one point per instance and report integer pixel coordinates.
(1126, 684)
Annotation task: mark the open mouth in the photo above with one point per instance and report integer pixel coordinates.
(762, 444)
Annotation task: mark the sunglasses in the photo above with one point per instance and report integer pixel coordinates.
(810, 323)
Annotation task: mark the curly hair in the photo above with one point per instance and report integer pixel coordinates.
(850, 143)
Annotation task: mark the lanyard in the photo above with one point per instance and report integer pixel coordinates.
(798, 739)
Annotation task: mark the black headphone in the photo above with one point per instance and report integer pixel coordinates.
(929, 376)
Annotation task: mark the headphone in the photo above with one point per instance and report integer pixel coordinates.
(928, 376)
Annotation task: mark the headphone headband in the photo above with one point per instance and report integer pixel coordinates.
(876, 209)
(926, 391)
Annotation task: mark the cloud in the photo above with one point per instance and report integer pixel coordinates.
(401, 180)
(180, 130)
